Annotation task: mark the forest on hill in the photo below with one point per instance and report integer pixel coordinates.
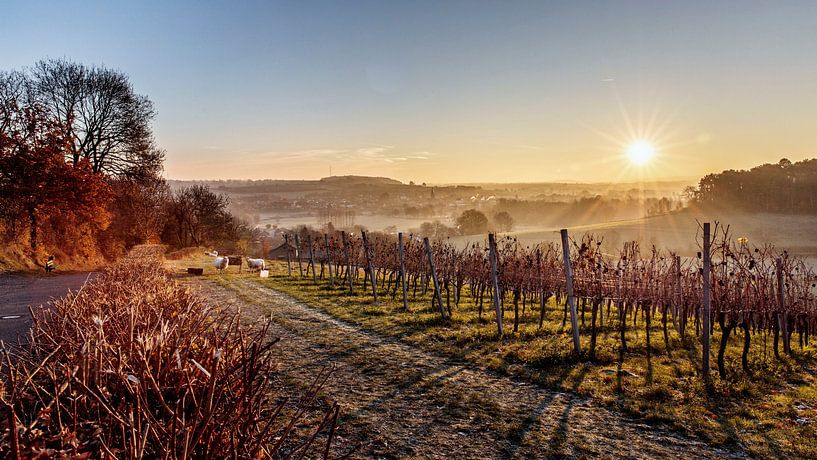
(783, 187)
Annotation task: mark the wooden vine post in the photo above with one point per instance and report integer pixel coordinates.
(781, 306)
(298, 254)
(286, 243)
(402, 256)
(369, 265)
(571, 299)
(492, 255)
(707, 301)
(437, 295)
(345, 238)
(597, 303)
(329, 260)
(311, 258)
(676, 311)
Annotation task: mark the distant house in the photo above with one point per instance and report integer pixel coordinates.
(280, 251)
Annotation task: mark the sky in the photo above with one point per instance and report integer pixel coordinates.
(449, 91)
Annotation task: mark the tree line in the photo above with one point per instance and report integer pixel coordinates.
(80, 171)
(783, 187)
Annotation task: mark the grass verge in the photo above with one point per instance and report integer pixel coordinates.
(137, 366)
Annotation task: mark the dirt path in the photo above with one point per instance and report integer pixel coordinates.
(404, 402)
(17, 292)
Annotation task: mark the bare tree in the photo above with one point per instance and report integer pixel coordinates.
(197, 216)
(503, 221)
(13, 96)
(106, 121)
(140, 210)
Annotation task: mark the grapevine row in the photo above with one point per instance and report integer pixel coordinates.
(753, 289)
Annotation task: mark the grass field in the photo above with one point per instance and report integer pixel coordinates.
(770, 413)
(677, 231)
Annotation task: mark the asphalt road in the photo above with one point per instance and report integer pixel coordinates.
(18, 292)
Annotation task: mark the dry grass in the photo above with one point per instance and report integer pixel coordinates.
(185, 253)
(136, 366)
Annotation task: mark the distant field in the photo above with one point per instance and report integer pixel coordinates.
(795, 233)
(675, 232)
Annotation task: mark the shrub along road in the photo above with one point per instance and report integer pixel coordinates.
(399, 401)
(18, 292)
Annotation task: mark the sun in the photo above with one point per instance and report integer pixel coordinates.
(640, 152)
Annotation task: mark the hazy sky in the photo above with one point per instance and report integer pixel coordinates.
(446, 91)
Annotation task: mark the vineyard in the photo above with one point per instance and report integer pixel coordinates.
(623, 324)
(731, 284)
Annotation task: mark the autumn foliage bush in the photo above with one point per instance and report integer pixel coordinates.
(135, 365)
(44, 199)
(80, 174)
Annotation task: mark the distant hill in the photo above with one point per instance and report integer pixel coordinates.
(359, 180)
(325, 185)
(277, 185)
